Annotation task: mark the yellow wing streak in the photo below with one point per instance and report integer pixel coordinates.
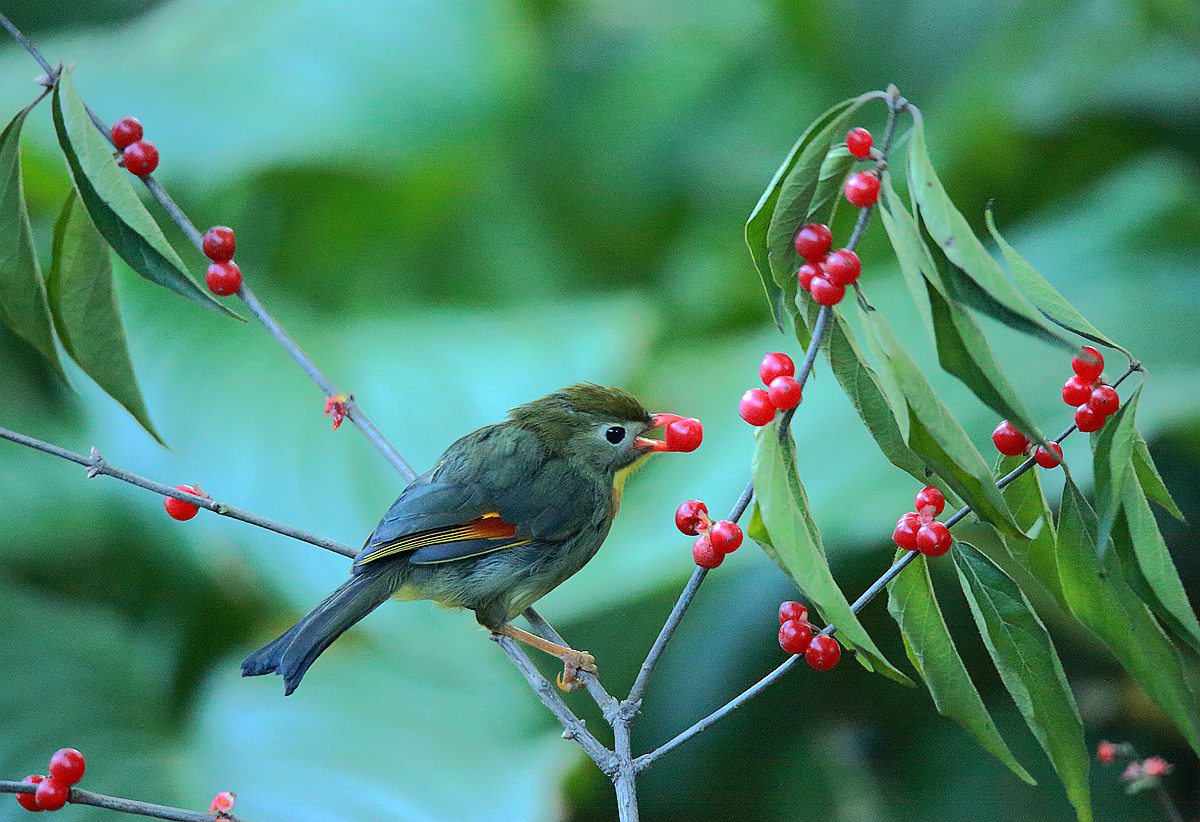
(490, 526)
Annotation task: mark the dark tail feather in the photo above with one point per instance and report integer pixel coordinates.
(292, 653)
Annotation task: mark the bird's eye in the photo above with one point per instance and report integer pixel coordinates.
(615, 435)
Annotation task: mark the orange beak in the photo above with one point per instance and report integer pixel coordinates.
(657, 421)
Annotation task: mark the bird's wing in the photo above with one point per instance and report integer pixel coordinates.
(489, 491)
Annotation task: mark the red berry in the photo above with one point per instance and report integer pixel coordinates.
(1106, 752)
(1087, 420)
(862, 189)
(806, 273)
(223, 278)
(813, 241)
(51, 794)
(905, 532)
(219, 244)
(725, 536)
(1077, 391)
(179, 509)
(776, 364)
(682, 436)
(126, 132)
(691, 517)
(859, 142)
(792, 610)
(826, 292)
(784, 393)
(930, 496)
(1008, 440)
(705, 555)
(1104, 400)
(28, 801)
(1049, 455)
(823, 653)
(756, 407)
(1088, 363)
(934, 539)
(843, 267)
(223, 802)
(795, 636)
(67, 766)
(141, 158)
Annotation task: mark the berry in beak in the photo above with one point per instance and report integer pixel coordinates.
(682, 434)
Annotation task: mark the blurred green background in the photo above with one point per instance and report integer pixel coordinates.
(458, 205)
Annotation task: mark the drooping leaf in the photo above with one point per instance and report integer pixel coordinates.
(830, 181)
(106, 192)
(939, 439)
(1029, 666)
(1112, 451)
(795, 542)
(23, 305)
(955, 239)
(1028, 505)
(913, 604)
(85, 310)
(966, 291)
(1098, 596)
(1140, 544)
(964, 352)
(916, 263)
(1044, 296)
(1152, 481)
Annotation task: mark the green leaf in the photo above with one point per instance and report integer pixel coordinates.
(830, 181)
(1028, 505)
(85, 310)
(1136, 536)
(1028, 664)
(1112, 452)
(796, 192)
(939, 439)
(993, 293)
(913, 604)
(1098, 597)
(795, 542)
(1044, 296)
(110, 199)
(964, 352)
(1152, 481)
(916, 263)
(23, 305)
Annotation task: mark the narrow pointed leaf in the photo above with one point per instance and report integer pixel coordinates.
(830, 181)
(916, 264)
(23, 305)
(964, 352)
(913, 604)
(795, 542)
(1136, 536)
(110, 199)
(85, 310)
(1098, 596)
(1044, 296)
(1152, 481)
(1112, 451)
(1029, 666)
(965, 291)
(1027, 502)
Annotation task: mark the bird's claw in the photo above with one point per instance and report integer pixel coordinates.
(573, 663)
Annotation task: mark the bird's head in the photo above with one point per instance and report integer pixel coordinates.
(606, 428)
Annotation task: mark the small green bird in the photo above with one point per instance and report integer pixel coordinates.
(506, 515)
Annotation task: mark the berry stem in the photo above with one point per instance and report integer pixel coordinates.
(117, 803)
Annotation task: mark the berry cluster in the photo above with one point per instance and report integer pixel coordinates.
(824, 273)
(223, 276)
(1094, 400)
(222, 804)
(180, 509)
(140, 157)
(783, 392)
(714, 539)
(919, 530)
(53, 791)
(821, 651)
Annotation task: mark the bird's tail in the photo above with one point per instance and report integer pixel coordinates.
(292, 653)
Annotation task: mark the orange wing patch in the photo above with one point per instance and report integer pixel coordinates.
(489, 526)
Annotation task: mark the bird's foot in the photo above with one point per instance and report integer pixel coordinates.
(573, 663)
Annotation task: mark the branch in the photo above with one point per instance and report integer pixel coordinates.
(115, 803)
(646, 760)
(98, 467)
(353, 411)
(607, 703)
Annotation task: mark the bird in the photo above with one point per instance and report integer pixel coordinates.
(506, 514)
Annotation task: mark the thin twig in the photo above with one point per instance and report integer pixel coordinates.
(607, 703)
(353, 410)
(97, 467)
(79, 796)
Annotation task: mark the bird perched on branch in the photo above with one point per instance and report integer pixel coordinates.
(507, 514)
